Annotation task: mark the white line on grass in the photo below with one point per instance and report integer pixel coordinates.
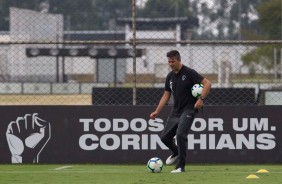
(109, 171)
(61, 168)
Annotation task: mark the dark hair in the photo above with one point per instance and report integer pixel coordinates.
(174, 53)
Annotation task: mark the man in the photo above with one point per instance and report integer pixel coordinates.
(179, 83)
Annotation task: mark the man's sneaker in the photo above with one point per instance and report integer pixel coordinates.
(178, 170)
(171, 159)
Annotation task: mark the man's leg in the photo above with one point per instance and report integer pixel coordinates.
(185, 123)
(169, 132)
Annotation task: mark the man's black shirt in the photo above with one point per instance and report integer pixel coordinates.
(180, 85)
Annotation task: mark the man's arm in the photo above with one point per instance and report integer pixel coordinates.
(206, 90)
(162, 103)
(207, 87)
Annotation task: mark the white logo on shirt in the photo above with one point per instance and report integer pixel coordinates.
(170, 85)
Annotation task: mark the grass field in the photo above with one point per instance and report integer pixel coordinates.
(45, 99)
(122, 174)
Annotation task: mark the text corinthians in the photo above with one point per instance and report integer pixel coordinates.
(210, 134)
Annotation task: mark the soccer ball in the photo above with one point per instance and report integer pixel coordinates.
(197, 90)
(155, 165)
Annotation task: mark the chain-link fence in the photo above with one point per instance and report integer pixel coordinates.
(114, 53)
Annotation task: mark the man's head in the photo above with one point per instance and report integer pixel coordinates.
(174, 54)
(174, 60)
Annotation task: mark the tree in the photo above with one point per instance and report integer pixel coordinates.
(244, 20)
(226, 19)
(165, 8)
(6, 4)
(78, 15)
(109, 10)
(262, 56)
(92, 14)
(270, 21)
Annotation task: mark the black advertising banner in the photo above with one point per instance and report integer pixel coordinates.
(125, 134)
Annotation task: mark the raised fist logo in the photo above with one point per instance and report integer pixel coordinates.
(27, 136)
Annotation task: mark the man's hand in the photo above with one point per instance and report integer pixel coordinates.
(153, 115)
(162, 103)
(199, 104)
(26, 137)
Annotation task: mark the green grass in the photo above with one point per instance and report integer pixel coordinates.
(122, 174)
